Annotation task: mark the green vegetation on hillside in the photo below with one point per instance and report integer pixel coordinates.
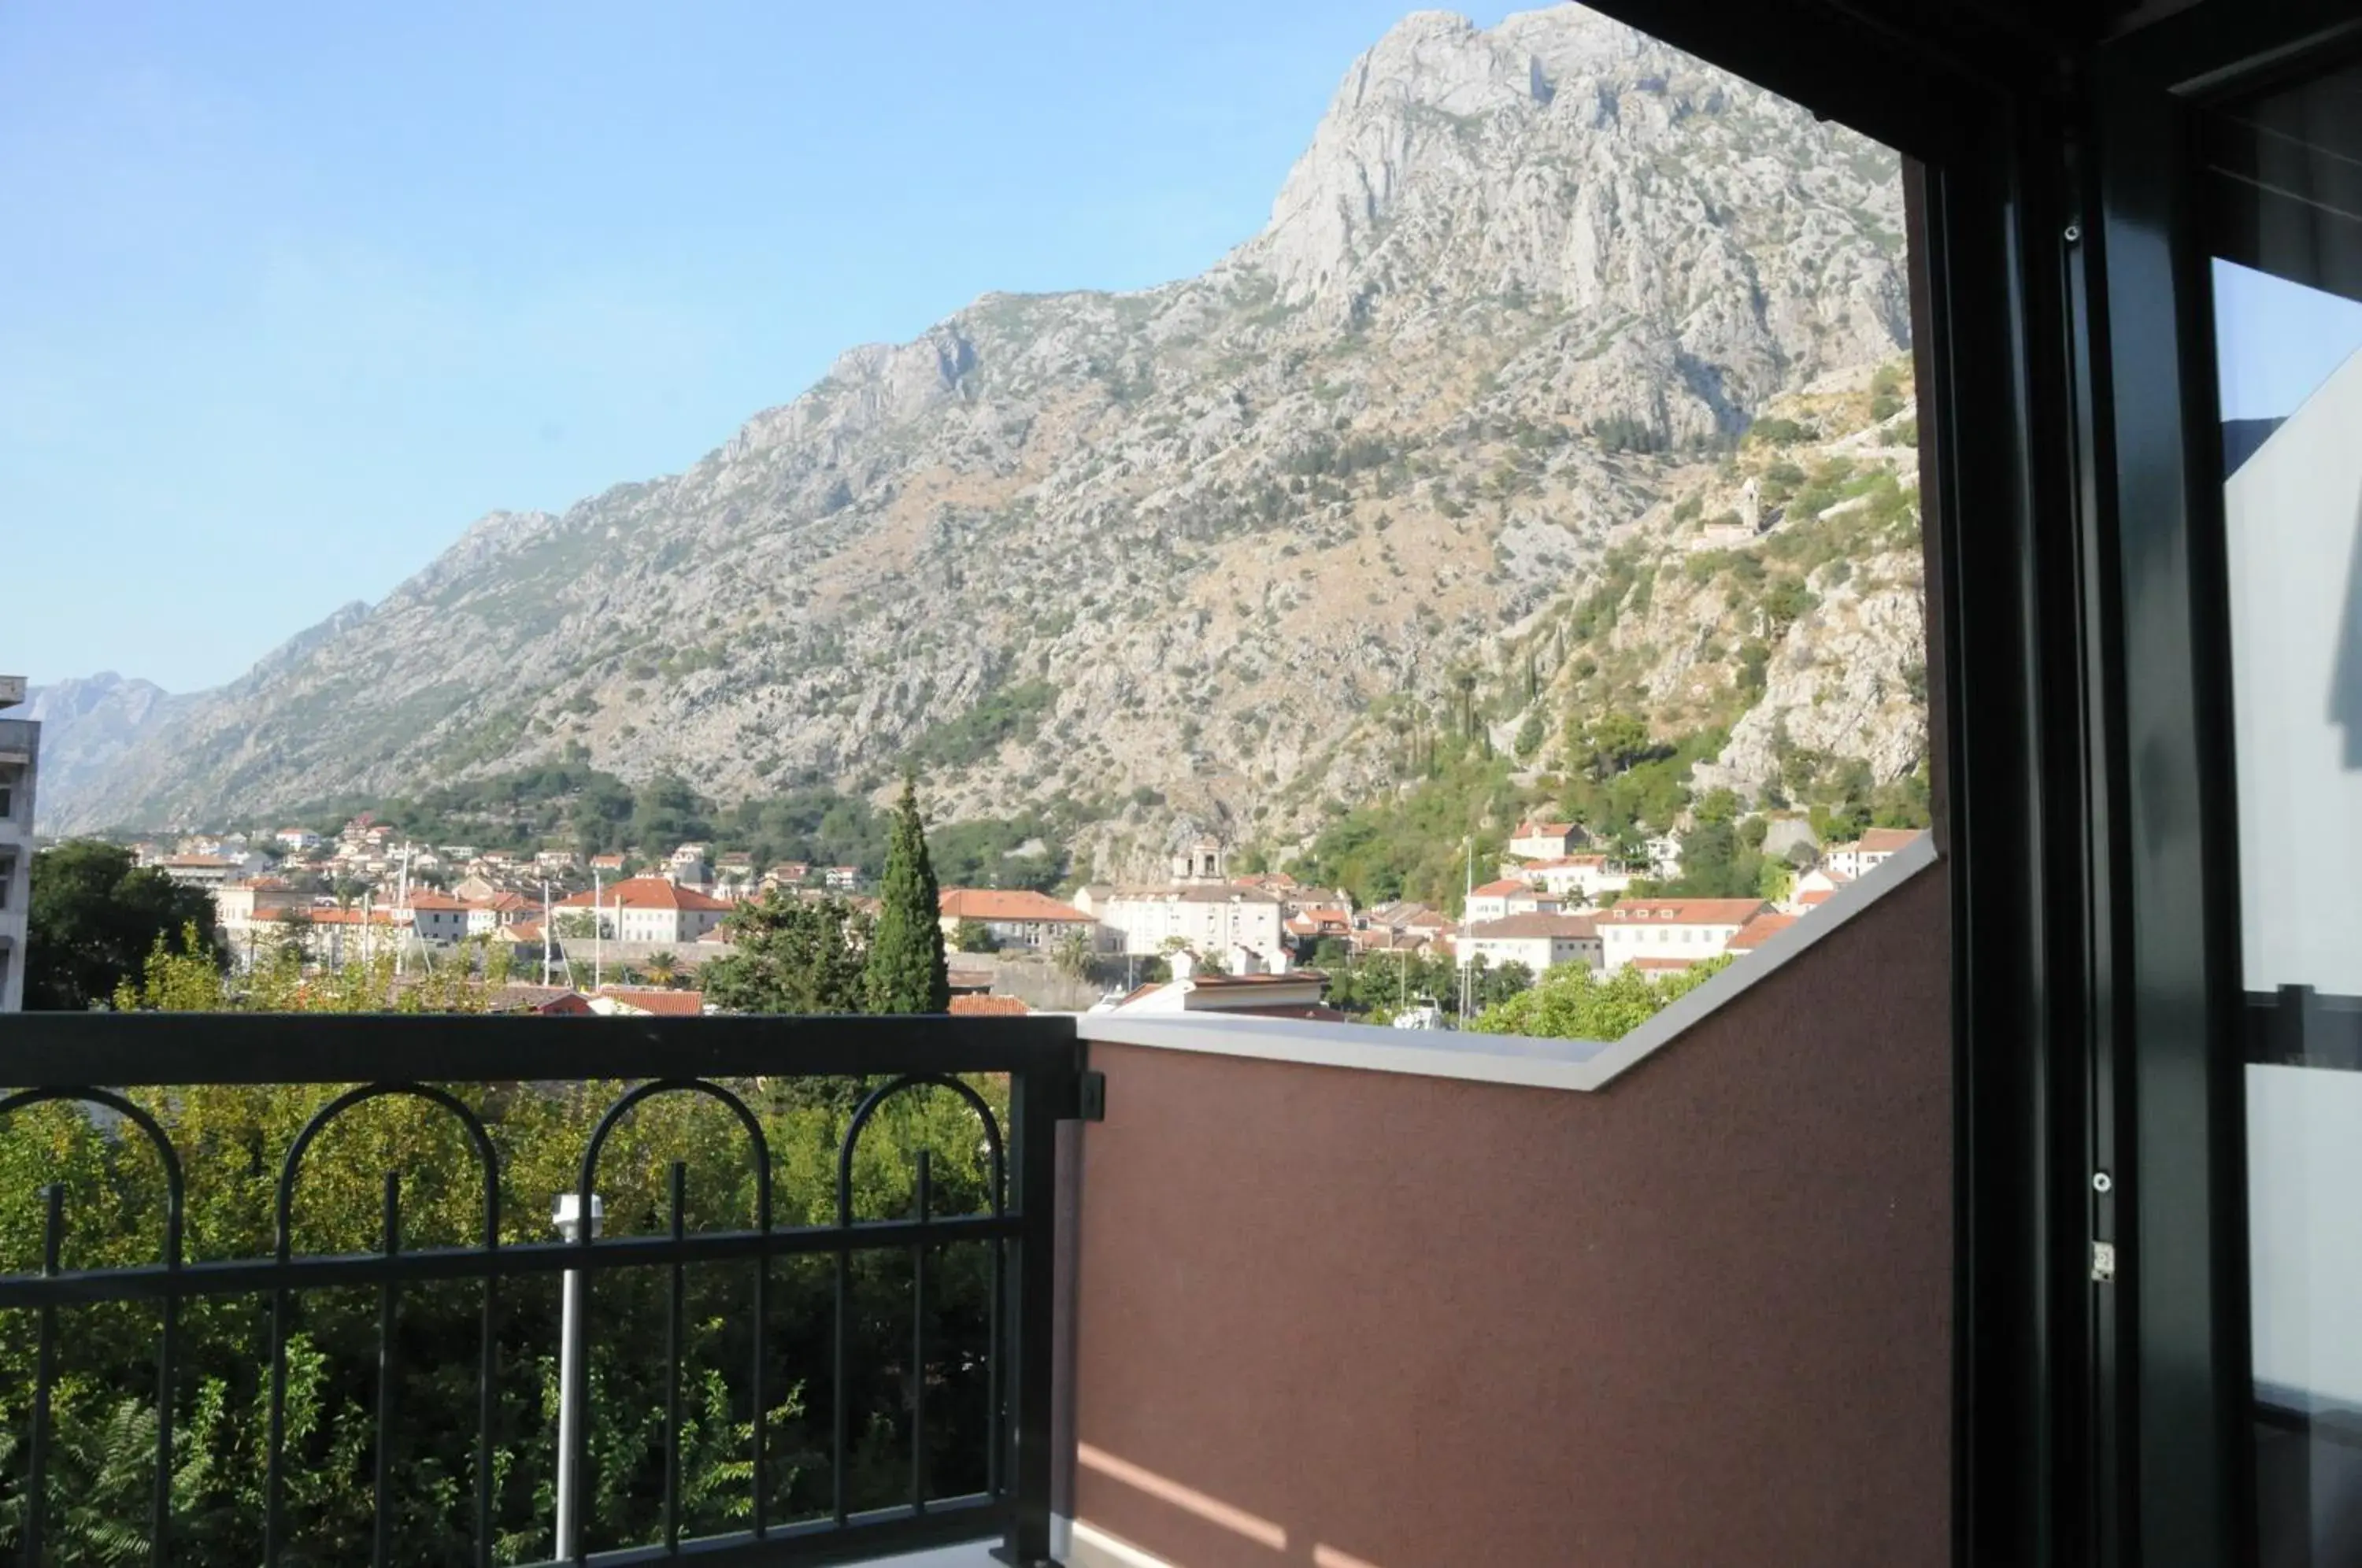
(575, 806)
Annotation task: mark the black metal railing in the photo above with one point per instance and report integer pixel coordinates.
(140, 1082)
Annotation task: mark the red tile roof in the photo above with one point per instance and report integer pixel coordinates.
(989, 1007)
(646, 893)
(995, 903)
(1886, 841)
(1759, 930)
(662, 1003)
(1500, 889)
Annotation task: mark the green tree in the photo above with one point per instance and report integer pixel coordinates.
(94, 920)
(793, 955)
(905, 971)
(1718, 863)
(1574, 1001)
(1074, 956)
(1529, 738)
(662, 968)
(294, 934)
(1611, 743)
(974, 936)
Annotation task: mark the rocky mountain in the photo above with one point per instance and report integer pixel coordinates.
(1227, 541)
(91, 727)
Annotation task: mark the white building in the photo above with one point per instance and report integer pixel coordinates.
(20, 756)
(1667, 933)
(212, 871)
(651, 909)
(435, 918)
(1814, 888)
(252, 917)
(687, 865)
(1872, 849)
(1018, 918)
(1539, 941)
(1509, 896)
(1209, 917)
(1534, 840)
(733, 876)
(1583, 878)
(1664, 853)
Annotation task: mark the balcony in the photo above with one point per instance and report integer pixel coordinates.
(877, 1289)
(17, 737)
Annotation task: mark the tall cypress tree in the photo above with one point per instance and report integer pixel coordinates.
(906, 972)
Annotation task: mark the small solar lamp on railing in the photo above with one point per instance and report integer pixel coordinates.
(566, 1213)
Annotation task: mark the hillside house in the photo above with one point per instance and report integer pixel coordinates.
(1309, 927)
(1018, 918)
(733, 876)
(1664, 855)
(1580, 878)
(1679, 931)
(434, 917)
(1208, 916)
(1759, 931)
(1871, 850)
(1814, 888)
(1536, 840)
(1509, 896)
(653, 909)
(1538, 941)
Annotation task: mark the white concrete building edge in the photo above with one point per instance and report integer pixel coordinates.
(20, 756)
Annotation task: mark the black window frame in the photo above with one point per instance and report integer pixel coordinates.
(2079, 686)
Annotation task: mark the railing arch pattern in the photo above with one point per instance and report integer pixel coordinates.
(69, 1058)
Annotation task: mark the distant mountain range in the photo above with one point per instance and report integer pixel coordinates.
(1223, 543)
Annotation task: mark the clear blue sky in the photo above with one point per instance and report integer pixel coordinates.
(291, 293)
(2276, 341)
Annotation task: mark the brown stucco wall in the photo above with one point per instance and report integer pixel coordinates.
(1701, 1316)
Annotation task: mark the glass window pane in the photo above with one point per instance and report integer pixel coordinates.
(2280, 178)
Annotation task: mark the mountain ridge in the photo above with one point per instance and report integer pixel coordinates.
(1519, 297)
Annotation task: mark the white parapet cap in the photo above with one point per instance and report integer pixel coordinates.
(1579, 1064)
